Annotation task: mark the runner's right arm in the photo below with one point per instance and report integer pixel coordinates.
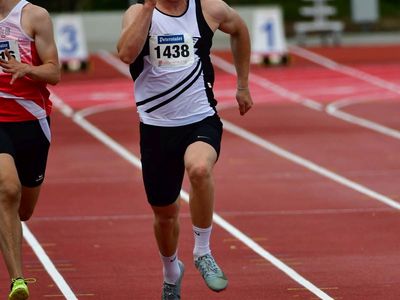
(135, 27)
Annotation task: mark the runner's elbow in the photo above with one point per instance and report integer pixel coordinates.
(125, 57)
(126, 53)
(55, 79)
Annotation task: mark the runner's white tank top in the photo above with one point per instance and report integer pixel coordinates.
(173, 75)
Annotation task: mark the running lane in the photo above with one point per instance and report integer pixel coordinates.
(341, 240)
(310, 195)
(96, 227)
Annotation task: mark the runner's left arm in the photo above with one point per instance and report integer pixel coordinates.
(230, 22)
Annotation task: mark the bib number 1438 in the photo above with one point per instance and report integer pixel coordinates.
(171, 50)
(174, 51)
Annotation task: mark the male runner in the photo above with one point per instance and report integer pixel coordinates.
(167, 43)
(28, 61)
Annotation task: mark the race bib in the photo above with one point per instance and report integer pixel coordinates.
(171, 50)
(13, 49)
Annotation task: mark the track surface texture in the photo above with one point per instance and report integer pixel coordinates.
(307, 186)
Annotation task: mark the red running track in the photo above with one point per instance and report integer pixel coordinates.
(96, 227)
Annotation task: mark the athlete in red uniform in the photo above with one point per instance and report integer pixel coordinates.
(28, 62)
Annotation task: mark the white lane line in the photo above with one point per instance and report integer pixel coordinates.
(48, 264)
(236, 214)
(44, 258)
(308, 164)
(101, 107)
(123, 152)
(330, 64)
(334, 110)
(114, 62)
(245, 135)
(229, 68)
(269, 85)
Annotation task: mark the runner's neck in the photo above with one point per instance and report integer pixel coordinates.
(172, 7)
(6, 6)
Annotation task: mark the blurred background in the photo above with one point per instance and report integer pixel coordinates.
(302, 22)
(389, 10)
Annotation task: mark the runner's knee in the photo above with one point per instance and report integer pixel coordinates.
(166, 221)
(168, 215)
(10, 192)
(198, 173)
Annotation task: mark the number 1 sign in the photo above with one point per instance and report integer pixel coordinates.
(268, 37)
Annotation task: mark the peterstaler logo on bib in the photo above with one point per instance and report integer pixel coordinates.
(171, 39)
(172, 50)
(4, 45)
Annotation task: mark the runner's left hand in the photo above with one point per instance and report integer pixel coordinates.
(244, 100)
(13, 67)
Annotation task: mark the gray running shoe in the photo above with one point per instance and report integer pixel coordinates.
(173, 291)
(211, 272)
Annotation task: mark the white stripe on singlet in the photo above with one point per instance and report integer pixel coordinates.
(38, 112)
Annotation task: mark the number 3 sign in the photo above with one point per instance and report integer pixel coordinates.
(70, 38)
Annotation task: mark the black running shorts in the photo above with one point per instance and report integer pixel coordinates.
(162, 155)
(28, 145)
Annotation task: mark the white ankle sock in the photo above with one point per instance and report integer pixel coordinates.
(201, 241)
(171, 268)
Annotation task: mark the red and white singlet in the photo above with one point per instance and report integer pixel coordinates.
(26, 99)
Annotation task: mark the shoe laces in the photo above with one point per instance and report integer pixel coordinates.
(207, 266)
(169, 292)
(26, 280)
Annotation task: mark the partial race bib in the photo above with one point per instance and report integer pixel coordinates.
(12, 46)
(172, 50)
